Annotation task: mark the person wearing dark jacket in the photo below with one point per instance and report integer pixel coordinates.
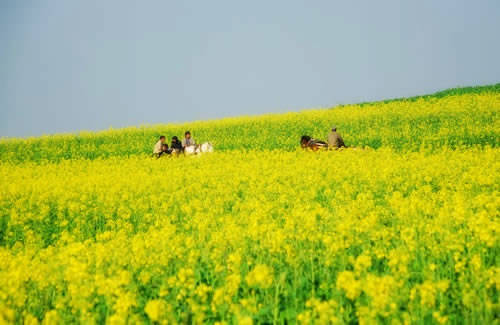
(176, 145)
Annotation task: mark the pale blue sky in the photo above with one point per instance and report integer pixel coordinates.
(91, 64)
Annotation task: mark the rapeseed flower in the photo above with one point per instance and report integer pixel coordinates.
(261, 277)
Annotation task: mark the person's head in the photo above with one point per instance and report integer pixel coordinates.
(187, 135)
(164, 147)
(304, 140)
(162, 138)
(175, 139)
(334, 128)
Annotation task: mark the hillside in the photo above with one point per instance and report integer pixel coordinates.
(448, 118)
(93, 231)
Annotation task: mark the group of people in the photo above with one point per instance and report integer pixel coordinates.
(189, 146)
(161, 147)
(334, 141)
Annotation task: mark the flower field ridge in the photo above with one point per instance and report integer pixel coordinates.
(455, 120)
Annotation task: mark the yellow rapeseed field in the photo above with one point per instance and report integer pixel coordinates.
(272, 234)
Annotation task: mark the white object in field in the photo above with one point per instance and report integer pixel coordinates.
(189, 150)
(204, 147)
(207, 147)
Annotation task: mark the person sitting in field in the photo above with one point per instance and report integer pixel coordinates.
(188, 141)
(335, 140)
(164, 150)
(157, 150)
(176, 145)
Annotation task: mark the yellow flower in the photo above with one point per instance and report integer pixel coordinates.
(362, 263)
(440, 319)
(428, 293)
(347, 282)
(7, 315)
(155, 309)
(51, 318)
(261, 276)
(31, 320)
(245, 320)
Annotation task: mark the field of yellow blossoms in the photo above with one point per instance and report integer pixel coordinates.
(404, 229)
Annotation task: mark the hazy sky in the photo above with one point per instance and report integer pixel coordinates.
(91, 64)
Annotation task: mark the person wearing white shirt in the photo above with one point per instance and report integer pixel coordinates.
(158, 146)
(187, 141)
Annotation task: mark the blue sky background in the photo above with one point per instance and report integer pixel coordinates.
(88, 65)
